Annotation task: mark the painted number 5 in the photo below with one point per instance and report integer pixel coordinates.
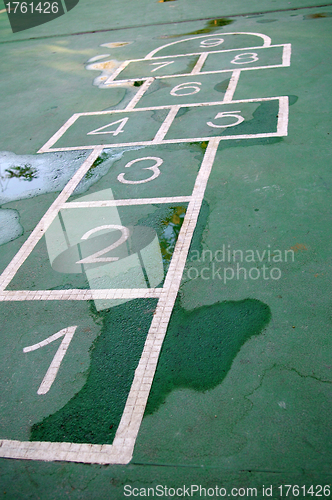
(227, 114)
(154, 168)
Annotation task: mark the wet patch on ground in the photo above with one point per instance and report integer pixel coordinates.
(200, 345)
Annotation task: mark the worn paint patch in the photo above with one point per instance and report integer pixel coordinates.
(201, 345)
(10, 227)
(299, 247)
(318, 15)
(115, 45)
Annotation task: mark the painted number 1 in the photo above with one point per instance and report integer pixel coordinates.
(67, 334)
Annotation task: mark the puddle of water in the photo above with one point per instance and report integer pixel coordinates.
(10, 227)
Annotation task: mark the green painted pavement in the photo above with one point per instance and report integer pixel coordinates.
(268, 422)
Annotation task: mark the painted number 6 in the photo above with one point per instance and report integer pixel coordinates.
(225, 114)
(183, 86)
(154, 168)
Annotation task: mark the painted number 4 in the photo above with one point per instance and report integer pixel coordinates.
(118, 130)
(67, 334)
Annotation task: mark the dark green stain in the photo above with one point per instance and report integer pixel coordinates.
(94, 413)
(210, 26)
(98, 161)
(26, 173)
(200, 345)
(197, 353)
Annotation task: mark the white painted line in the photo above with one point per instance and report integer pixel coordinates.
(232, 85)
(169, 141)
(46, 221)
(189, 54)
(69, 452)
(198, 66)
(123, 203)
(139, 392)
(78, 294)
(165, 126)
(105, 146)
(3, 10)
(59, 133)
(282, 126)
(286, 55)
(143, 88)
(116, 72)
(266, 40)
(160, 134)
(212, 72)
(224, 137)
(201, 60)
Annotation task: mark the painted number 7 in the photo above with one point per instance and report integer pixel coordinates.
(224, 114)
(67, 334)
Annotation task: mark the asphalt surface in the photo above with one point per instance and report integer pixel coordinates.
(184, 259)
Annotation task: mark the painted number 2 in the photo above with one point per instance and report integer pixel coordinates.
(97, 256)
(67, 334)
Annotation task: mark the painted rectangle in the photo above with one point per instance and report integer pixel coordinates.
(93, 247)
(244, 59)
(141, 69)
(243, 119)
(108, 128)
(149, 173)
(85, 399)
(189, 89)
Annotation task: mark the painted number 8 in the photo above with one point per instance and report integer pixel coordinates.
(249, 57)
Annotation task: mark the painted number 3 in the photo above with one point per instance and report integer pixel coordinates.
(154, 169)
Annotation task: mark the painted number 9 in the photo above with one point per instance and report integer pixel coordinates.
(154, 169)
(225, 114)
(212, 42)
